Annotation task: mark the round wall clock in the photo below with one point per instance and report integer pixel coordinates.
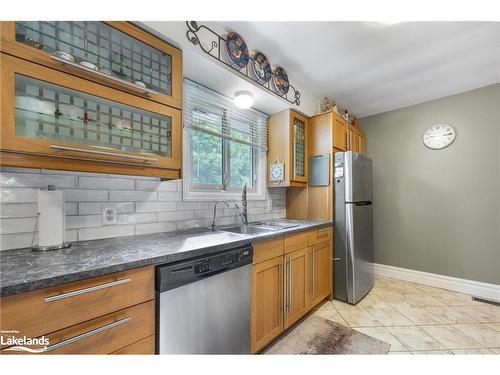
(439, 136)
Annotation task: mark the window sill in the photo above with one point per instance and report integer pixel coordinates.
(206, 195)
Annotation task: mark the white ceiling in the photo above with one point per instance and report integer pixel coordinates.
(371, 68)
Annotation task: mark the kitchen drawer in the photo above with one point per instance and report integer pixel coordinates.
(296, 241)
(144, 346)
(106, 334)
(320, 235)
(267, 249)
(51, 309)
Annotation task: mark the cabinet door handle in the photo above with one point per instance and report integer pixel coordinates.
(336, 259)
(285, 291)
(88, 334)
(289, 284)
(98, 152)
(282, 283)
(86, 290)
(313, 273)
(311, 288)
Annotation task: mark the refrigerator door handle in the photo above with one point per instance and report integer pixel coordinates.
(349, 222)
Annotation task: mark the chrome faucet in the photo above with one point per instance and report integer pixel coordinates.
(243, 211)
(215, 212)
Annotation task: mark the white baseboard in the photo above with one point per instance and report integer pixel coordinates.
(471, 287)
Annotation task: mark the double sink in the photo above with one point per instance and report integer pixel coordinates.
(259, 227)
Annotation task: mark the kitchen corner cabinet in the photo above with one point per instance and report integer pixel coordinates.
(54, 120)
(287, 143)
(339, 132)
(127, 58)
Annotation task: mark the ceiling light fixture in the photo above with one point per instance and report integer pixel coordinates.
(243, 99)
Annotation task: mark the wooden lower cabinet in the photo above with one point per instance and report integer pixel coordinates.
(267, 302)
(320, 272)
(296, 299)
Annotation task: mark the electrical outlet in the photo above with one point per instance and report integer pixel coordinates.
(108, 216)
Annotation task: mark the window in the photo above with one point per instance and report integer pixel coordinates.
(224, 148)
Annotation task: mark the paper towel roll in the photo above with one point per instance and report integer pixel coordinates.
(51, 225)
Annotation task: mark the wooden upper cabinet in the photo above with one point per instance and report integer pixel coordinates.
(339, 132)
(126, 57)
(55, 120)
(361, 143)
(288, 145)
(267, 302)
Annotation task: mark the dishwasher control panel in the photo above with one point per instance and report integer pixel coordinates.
(176, 274)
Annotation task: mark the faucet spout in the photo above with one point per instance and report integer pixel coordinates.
(215, 212)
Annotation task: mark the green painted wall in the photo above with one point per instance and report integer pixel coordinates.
(439, 211)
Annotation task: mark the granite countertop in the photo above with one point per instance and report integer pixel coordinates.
(23, 270)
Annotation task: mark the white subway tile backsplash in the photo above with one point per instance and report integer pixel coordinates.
(81, 195)
(85, 182)
(17, 225)
(143, 205)
(134, 196)
(170, 196)
(18, 210)
(175, 215)
(18, 195)
(107, 231)
(36, 180)
(155, 206)
(165, 226)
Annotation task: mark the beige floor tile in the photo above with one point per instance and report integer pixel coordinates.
(451, 338)
(450, 315)
(472, 351)
(429, 289)
(484, 313)
(405, 288)
(424, 300)
(326, 306)
(454, 299)
(399, 300)
(419, 315)
(415, 338)
(358, 318)
(431, 352)
(331, 315)
(483, 334)
(383, 334)
(374, 302)
(339, 305)
(495, 350)
(495, 326)
(389, 317)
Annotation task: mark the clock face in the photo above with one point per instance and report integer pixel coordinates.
(439, 136)
(277, 172)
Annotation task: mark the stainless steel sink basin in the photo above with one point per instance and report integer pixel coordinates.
(245, 229)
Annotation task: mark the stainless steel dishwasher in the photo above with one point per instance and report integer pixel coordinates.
(204, 304)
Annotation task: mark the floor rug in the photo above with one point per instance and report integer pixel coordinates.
(317, 335)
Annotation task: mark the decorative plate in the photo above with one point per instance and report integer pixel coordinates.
(280, 81)
(277, 171)
(237, 50)
(261, 68)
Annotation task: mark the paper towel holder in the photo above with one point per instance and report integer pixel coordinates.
(63, 245)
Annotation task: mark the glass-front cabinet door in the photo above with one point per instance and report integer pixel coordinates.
(117, 54)
(299, 147)
(53, 114)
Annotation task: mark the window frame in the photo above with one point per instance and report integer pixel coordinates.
(203, 192)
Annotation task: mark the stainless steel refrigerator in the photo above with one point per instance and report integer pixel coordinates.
(353, 238)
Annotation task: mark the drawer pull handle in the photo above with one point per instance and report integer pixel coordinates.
(324, 230)
(86, 290)
(88, 334)
(108, 153)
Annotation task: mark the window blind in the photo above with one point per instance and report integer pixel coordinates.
(210, 112)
